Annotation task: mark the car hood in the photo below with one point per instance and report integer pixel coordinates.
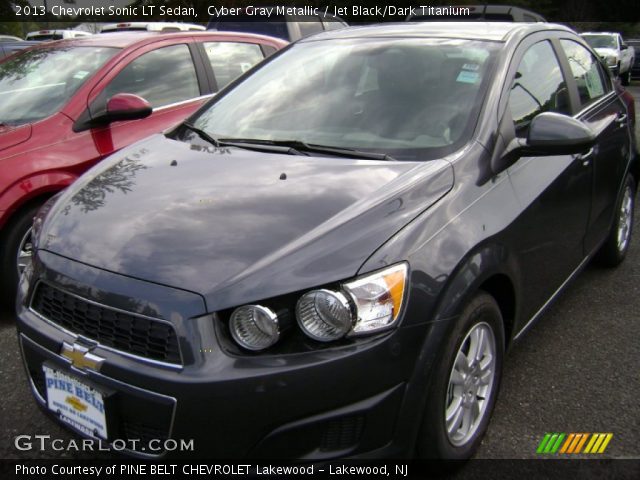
(236, 225)
(11, 136)
(606, 52)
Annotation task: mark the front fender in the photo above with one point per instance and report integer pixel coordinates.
(29, 188)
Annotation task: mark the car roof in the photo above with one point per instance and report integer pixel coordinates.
(493, 31)
(129, 39)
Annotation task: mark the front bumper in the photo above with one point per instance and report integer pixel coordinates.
(354, 400)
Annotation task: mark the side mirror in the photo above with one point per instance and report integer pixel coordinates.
(549, 134)
(553, 134)
(624, 46)
(125, 106)
(556, 134)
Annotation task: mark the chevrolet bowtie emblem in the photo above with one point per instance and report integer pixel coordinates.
(81, 357)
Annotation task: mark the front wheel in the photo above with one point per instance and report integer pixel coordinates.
(626, 78)
(614, 250)
(465, 385)
(15, 254)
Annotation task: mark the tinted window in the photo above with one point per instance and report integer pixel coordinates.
(229, 60)
(586, 71)
(42, 38)
(37, 83)
(411, 98)
(163, 76)
(538, 87)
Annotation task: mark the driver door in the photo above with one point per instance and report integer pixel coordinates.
(554, 191)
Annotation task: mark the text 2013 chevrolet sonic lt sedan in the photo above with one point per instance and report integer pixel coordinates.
(331, 257)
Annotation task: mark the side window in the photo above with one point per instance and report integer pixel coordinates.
(538, 87)
(229, 60)
(163, 76)
(586, 71)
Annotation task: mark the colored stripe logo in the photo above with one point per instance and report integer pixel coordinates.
(574, 443)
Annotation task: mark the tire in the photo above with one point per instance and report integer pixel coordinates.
(440, 438)
(615, 248)
(14, 234)
(626, 78)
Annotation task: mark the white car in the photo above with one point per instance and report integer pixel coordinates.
(151, 27)
(618, 56)
(47, 35)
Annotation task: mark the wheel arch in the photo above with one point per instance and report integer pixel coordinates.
(490, 268)
(31, 190)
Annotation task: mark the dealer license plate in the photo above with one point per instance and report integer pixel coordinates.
(76, 403)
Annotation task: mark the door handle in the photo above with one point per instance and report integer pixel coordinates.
(585, 158)
(621, 119)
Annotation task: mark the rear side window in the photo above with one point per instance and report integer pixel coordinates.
(538, 87)
(163, 76)
(586, 71)
(44, 38)
(229, 60)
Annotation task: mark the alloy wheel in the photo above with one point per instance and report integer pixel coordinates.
(625, 219)
(470, 384)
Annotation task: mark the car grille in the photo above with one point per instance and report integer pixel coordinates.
(144, 337)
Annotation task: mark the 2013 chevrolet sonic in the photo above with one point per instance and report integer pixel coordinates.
(332, 256)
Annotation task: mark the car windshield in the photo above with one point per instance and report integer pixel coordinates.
(600, 41)
(37, 83)
(407, 98)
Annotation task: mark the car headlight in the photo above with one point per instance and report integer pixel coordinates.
(324, 315)
(254, 327)
(611, 60)
(378, 298)
(365, 305)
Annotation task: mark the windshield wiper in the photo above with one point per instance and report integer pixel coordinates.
(262, 145)
(202, 134)
(310, 147)
(242, 144)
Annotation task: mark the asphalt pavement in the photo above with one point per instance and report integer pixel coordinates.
(575, 371)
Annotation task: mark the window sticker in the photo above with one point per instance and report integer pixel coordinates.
(467, 77)
(594, 84)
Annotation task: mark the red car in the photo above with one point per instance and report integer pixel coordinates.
(66, 105)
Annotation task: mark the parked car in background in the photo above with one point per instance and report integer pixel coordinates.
(287, 27)
(618, 56)
(9, 38)
(331, 258)
(48, 35)
(9, 48)
(66, 105)
(150, 27)
(635, 69)
(482, 13)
